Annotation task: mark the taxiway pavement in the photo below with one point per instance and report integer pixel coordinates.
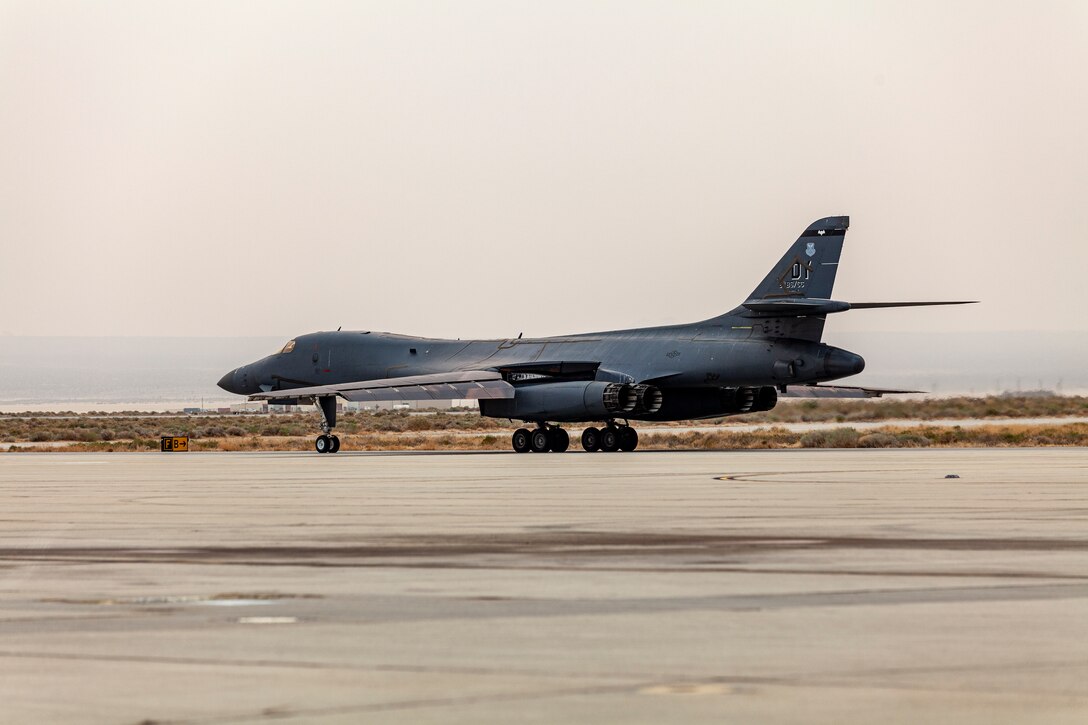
(778, 586)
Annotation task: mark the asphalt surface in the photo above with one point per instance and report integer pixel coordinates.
(779, 586)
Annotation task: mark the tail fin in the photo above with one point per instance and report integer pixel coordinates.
(794, 299)
(807, 271)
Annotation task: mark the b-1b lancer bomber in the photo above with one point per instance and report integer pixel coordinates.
(738, 362)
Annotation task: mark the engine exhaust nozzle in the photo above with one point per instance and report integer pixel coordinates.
(648, 399)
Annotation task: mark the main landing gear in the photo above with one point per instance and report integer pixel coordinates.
(540, 440)
(613, 437)
(327, 442)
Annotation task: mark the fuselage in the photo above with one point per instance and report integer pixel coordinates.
(725, 352)
(738, 362)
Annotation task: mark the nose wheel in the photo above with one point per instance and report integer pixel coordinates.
(327, 444)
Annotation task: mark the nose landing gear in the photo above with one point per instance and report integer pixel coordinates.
(327, 442)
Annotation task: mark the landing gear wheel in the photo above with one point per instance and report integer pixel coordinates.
(520, 439)
(323, 444)
(628, 438)
(540, 440)
(610, 440)
(335, 448)
(591, 439)
(560, 440)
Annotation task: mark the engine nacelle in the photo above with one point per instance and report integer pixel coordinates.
(747, 400)
(693, 403)
(576, 400)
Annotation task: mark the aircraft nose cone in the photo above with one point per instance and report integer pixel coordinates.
(228, 383)
(841, 363)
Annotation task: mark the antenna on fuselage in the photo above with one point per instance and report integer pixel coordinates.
(520, 334)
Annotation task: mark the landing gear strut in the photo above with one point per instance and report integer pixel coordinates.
(327, 442)
(541, 440)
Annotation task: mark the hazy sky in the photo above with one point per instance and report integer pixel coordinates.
(485, 168)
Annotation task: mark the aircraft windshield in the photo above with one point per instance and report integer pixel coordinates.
(288, 347)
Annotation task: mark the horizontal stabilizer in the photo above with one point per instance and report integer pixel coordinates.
(881, 305)
(461, 385)
(801, 307)
(840, 391)
(796, 307)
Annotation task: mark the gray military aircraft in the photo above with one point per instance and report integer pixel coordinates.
(738, 362)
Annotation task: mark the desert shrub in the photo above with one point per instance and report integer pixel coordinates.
(418, 423)
(878, 440)
(410, 442)
(833, 438)
(386, 424)
(913, 440)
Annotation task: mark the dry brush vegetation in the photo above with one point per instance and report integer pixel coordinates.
(402, 430)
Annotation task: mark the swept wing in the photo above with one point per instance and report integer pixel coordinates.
(464, 384)
(840, 391)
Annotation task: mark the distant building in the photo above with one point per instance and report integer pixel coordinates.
(249, 408)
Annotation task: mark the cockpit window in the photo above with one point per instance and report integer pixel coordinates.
(288, 347)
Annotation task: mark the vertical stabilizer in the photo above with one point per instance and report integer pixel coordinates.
(808, 269)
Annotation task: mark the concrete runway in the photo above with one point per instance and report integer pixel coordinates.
(780, 586)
